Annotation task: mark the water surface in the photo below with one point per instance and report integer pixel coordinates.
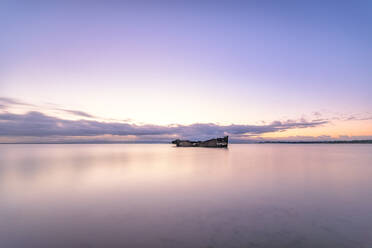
(272, 195)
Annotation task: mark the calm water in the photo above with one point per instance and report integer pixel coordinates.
(162, 196)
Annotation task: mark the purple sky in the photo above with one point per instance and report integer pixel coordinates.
(161, 63)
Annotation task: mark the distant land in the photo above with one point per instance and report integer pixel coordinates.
(319, 142)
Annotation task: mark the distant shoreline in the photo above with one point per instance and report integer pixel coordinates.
(252, 142)
(319, 142)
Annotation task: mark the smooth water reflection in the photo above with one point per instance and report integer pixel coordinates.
(162, 196)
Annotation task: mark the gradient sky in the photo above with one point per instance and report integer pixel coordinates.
(161, 63)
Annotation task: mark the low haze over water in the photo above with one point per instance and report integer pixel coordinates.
(119, 195)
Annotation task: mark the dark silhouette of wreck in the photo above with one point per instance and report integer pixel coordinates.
(217, 143)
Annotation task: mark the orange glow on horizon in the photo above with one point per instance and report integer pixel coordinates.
(334, 129)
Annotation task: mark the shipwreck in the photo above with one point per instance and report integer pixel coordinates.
(217, 143)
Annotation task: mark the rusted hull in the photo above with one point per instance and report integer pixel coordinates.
(215, 143)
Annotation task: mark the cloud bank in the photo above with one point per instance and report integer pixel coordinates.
(37, 124)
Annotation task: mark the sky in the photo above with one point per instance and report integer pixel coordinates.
(149, 71)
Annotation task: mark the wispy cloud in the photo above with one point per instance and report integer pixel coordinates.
(77, 113)
(10, 104)
(6, 101)
(358, 118)
(337, 116)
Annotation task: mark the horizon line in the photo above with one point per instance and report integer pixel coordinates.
(362, 141)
